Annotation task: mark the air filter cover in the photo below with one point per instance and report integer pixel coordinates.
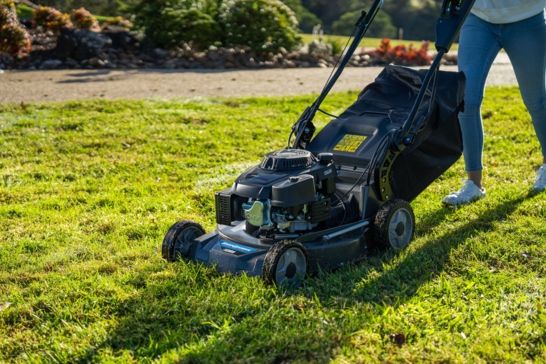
(288, 159)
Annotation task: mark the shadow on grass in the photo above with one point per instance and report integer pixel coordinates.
(396, 285)
(157, 321)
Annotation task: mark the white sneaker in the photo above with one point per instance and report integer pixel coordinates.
(540, 182)
(470, 192)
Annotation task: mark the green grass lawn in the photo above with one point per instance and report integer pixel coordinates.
(88, 189)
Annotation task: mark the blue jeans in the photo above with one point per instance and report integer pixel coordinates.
(525, 43)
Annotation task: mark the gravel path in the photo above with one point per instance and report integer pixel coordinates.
(27, 86)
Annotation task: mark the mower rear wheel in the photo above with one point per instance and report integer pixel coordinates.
(285, 264)
(394, 225)
(179, 240)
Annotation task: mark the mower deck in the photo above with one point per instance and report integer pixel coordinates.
(232, 250)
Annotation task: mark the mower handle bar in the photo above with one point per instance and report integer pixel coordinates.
(304, 128)
(454, 13)
(452, 17)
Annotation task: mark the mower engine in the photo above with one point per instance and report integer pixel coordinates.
(291, 191)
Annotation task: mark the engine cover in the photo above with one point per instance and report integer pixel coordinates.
(296, 190)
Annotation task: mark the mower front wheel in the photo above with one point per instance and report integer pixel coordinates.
(285, 264)
(179, 240)
(394, 225)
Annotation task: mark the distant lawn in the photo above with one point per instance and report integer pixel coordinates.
(367, 42)
(88, 189)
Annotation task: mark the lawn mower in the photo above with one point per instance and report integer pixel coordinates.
(325, 200)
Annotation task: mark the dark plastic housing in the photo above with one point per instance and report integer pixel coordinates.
(297, 190)
(319, 211)
(224, 207)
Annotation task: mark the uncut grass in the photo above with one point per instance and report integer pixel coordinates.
(88, 189)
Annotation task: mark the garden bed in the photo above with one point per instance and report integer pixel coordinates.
(116, 48)
(45, 38)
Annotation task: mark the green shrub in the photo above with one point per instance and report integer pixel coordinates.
(263, 25)
(50, 18)
(7, 13)
(336, 45)
(83, 19)
(14, 38)
(168, 23)
(381, 27)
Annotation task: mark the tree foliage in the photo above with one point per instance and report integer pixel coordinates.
(417, 19)
(381, 27)
(418, 22)
(306, 19)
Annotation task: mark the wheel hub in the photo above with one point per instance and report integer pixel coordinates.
(291, 267)
(291, 271)
(183, 242)
(400, 229)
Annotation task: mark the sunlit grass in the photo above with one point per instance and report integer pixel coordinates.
(88, 189)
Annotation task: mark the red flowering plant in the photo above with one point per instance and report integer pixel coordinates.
(401, 54)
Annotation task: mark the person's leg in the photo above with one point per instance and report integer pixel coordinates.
(478, 46)
(525, 43)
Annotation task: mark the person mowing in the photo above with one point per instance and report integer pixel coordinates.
(518, 27)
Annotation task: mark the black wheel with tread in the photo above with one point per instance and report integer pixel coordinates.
(285, 264)
(394, 225)
(178, 241)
